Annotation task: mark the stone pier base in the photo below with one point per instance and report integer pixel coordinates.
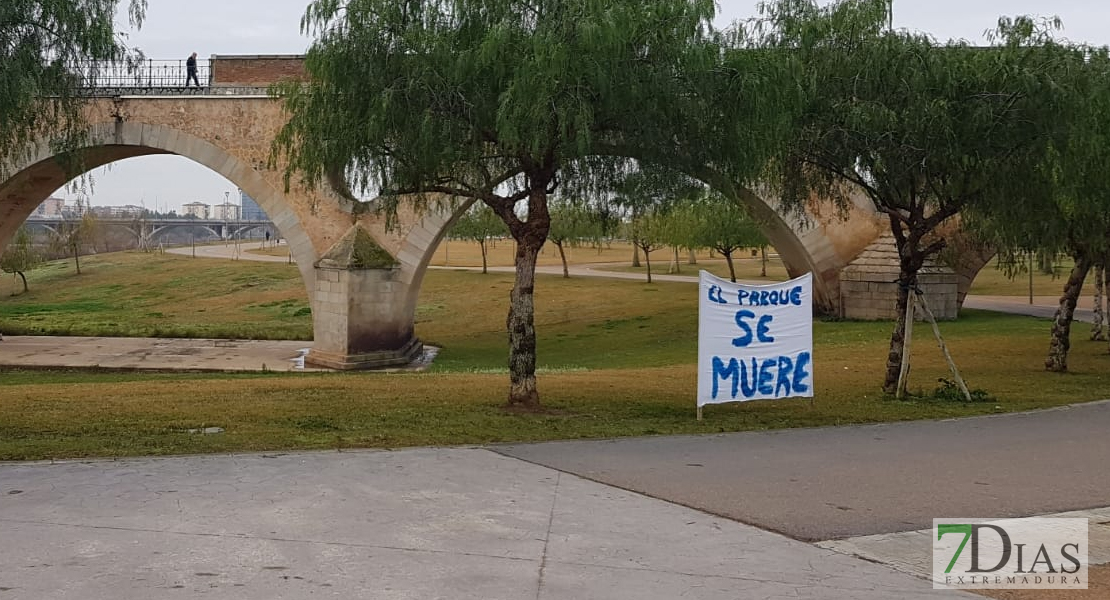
(361, 315)
(869, 292)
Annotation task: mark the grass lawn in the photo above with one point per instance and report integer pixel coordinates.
(993, 281)
(136, 294)
(617, 358)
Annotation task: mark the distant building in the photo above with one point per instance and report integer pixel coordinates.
(225, 212)
(51, 208)
(129, 211)
(251, 210)
(198, 210)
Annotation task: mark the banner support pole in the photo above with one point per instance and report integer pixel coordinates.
(699, 413)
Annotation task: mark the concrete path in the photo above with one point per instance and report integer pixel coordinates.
(911, 551)
(821, 484)
(1043, 306)
(158, 354)
(419, 524)
(230, 252)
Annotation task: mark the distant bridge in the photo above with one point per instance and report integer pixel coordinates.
(148, 229)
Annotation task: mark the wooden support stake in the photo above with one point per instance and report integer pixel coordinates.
(906, 341)
(699, 412)
(944, 349)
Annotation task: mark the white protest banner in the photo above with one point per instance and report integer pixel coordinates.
(755, 342)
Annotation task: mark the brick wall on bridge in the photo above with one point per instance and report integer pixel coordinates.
(258, 70)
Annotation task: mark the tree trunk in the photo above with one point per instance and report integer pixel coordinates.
(692, 257)
(635, 255)
(910, 260)
(482, 245)
(1096, 326)
(522, 329)
(530, 235)
(1057, 360)
(77, 259)
(563, 257)
(1106, 310)
(898, 336)
(24, 278)
(763, 253)
(647, 260)
(674, 267)
(1045, 260)
(731, 269)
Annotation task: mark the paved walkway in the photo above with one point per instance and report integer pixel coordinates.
(158, 354)
(230, 252)
(910, 551)
(422, 523)
(840, 482)
(1042, 306)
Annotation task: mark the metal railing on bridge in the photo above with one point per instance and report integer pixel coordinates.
(146, 75)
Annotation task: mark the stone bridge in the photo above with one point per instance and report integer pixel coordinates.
(363, 310)
(147, 230)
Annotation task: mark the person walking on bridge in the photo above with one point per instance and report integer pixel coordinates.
(191, 70)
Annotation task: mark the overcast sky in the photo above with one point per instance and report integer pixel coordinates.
(174, 29)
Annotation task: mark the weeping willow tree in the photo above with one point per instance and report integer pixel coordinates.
(1072, 215)
(20, 256)
(505, 102)
(47, 48)
(924, 129)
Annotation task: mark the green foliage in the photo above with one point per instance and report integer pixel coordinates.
(949, 391)
(575, 223)
(20, 256)
(499, 101)
(461, 96)
(713, 221)
(70, 236)
(647, 188)
(648, 231)
(648, 193)
(1073, 216)
(45, 47)
(924, 129)
(478, 223)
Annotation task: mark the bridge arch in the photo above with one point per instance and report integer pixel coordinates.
(32, 180)
(823, 241)
(158, 231)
